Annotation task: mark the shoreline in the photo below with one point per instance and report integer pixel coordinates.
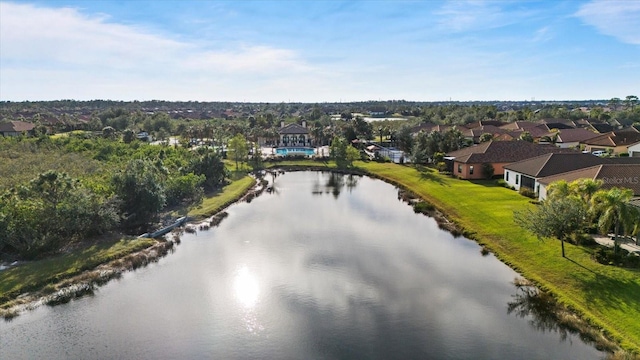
(88, 281)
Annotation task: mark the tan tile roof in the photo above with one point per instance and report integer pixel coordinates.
(613, 175)
(502, 152)
(16, 126)
(554, 163)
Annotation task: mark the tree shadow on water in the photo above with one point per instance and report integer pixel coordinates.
(547, 315)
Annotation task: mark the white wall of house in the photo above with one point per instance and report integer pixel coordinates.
(542, 194)
(568, 145)
(512, 178)
(515, 179)
(634, 150)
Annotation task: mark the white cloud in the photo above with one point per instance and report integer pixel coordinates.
(620, 19)
(69, 50)
(462, 16)
(543, 34)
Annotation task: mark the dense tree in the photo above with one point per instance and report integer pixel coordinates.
(614, 210)
(238, 148)
(208, 163)
(50, 212)
(343, 153)
(141, 192)
(630, 101)
(526, 136)
(486, 137)
(554, 219)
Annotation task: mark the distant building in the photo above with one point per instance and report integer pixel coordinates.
(16, 128)
(294, 135)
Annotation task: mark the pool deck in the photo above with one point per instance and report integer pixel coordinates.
(271, 151)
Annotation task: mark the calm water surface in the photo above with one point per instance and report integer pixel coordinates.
(326, 267)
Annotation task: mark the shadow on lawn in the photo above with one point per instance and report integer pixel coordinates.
(430, 175)
(617, 294)
(614, 291)
(582, 266)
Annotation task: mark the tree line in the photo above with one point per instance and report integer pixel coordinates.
(136, 183)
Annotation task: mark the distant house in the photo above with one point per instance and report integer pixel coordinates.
(526, 173)
(16, 128)
(634, 150)
(467, 163)
(616, 142)
(294, 135)
(571, 138)
(612, 175)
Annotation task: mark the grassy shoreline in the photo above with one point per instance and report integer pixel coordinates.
(43, 277)
(607, 297)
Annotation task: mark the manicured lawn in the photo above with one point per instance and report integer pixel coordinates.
(607, 296)
(213, 203)
(37, 274)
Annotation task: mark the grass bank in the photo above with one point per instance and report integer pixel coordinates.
(212, 203)
(35, 275)
(42, 274)
(608, 297)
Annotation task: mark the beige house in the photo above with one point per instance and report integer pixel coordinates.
(616, 142)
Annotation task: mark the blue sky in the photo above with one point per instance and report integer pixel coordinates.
(319, 51)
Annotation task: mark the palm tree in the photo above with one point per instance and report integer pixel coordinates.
(615, 210)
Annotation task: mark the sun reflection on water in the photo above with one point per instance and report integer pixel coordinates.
(247, 291)
(246, 288)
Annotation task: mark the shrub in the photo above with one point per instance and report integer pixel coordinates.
(487, 170)
(525, 191)
(502, 183)
(423, 207)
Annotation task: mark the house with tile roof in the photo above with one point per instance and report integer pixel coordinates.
(294, 134)
(634, 150)
(611, 174)
(526, 173)
(467, 163)
(616, 142)
(571, 138)
(16, 128)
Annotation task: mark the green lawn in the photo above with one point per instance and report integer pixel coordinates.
(213, 203)
(609, 297)
(37, 274)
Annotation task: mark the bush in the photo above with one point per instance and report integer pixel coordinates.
(487, 170)
(525, 191)
(607, 256)
(502, 183)
(423, 207)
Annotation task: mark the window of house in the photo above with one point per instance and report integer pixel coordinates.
(459, 168)
(517, 179)
(506, 176)
(471, 170)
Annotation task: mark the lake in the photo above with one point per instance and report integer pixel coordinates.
(326, 266)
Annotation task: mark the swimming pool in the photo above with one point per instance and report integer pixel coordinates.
(284, 151)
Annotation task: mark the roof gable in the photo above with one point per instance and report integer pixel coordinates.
(575, 135)
(554, 163)
(293, 129)
(612, 175)
(502, 152)
(615, 138)
(16, 126)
